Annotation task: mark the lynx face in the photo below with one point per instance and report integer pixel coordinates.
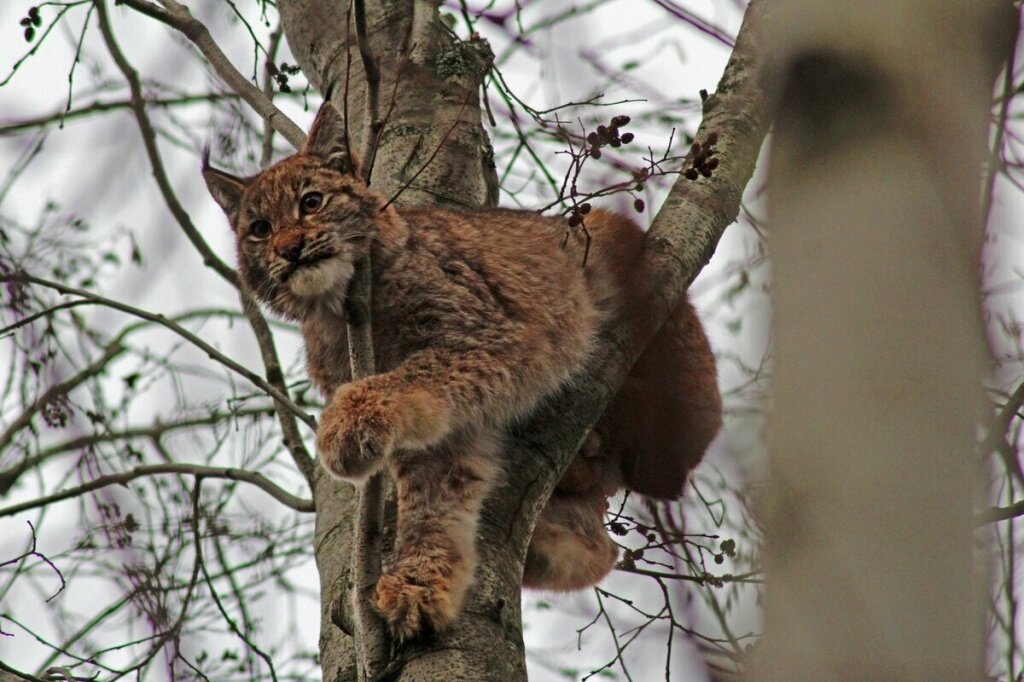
(302, 224)
(301, 228)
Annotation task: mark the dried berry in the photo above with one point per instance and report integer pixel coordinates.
(638, 204)
(584, 209)
(691, 174)
(595, 153)
(694, 149)
(575, 220)
(713, 138)
(592, 138)
(616, 143)
(620, 121)
(627, 138)
(712, 164)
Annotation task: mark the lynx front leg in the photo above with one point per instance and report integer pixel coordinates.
(366, 420)
(439, 496)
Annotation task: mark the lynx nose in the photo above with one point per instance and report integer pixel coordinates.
(289, 247)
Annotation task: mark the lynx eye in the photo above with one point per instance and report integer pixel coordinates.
(311, 202)
(259, 229)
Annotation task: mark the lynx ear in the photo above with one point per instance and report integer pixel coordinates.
(225, 188)
(327, 139)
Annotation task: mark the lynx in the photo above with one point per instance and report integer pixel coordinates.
(477, 315)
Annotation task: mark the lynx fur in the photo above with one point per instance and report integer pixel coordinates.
(477, 316)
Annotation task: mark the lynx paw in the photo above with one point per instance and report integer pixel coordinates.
(356, 431)
(412, 609)
(365, 421)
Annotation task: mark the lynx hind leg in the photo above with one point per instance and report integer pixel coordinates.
(440, 492)
(570, 548)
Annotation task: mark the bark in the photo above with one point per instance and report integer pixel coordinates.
(882, 118)
(438, 86)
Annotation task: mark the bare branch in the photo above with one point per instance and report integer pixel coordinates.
(154, 431)
(62, 116)
(212, 352)
(996, 514)
(995, 440)
(198, 542)
(138, 106)
(264, 338)
(177, 16)
(32, 551)
(259, 480)
(57, 390)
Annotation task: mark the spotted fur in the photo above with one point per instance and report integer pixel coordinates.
(477, 316)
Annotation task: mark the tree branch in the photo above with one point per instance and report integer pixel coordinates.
(138, 106)
(100, 107)
(177, 16)
(154, 431)
(996, 514)
(23, 420)
(259, 480)
(197, 32)
(212, 352)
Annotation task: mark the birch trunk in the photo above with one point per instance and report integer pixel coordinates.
(876, 228)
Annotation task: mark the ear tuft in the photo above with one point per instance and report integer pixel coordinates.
(328, 139)
(225, 188)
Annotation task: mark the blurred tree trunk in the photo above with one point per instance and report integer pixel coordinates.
(438, 84)
(883, 110)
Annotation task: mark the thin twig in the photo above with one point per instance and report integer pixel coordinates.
(267, 153)
(995, 440)
(138, 106)
(259, 480)
(30, 124)
(32, 551)
(198, 541)
(999, 514)
(57, 390)
(155, 432)
(177, 16)
(212, 352)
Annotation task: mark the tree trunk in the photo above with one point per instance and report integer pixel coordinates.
(876, 227)
(437, 85)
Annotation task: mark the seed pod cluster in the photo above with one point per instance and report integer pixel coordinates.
(577, 213)
(609, 135)
(31, 22)
(281, 74)
(702, 158)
